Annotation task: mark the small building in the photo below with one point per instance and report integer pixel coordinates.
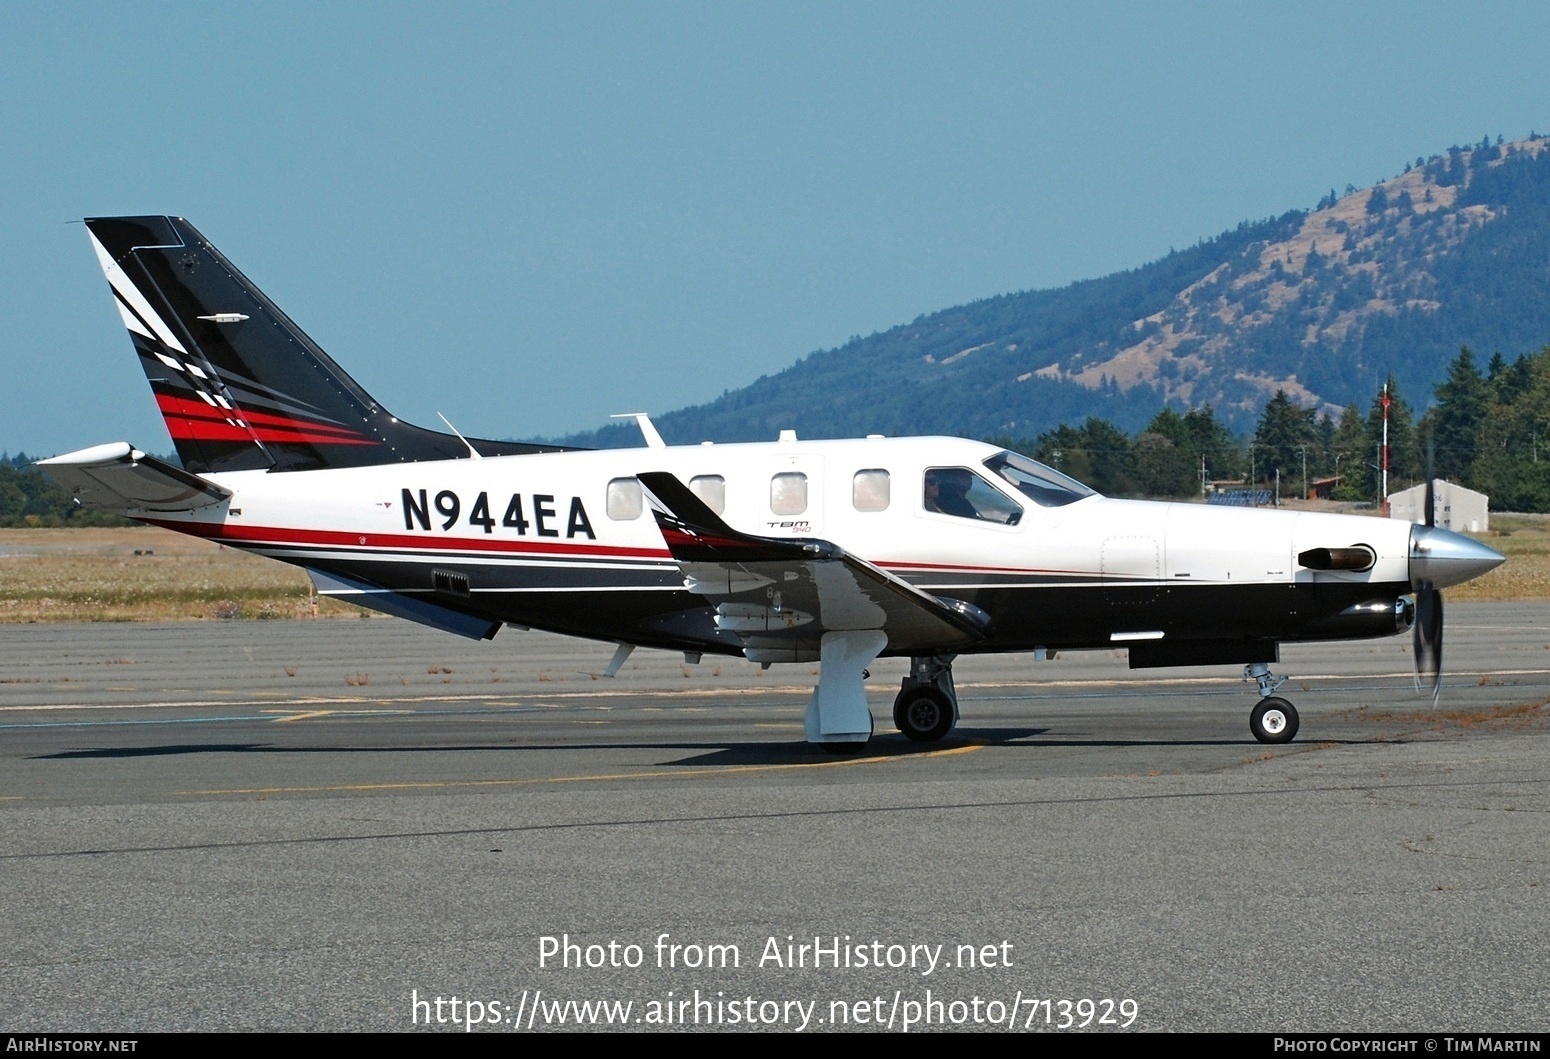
(1324, 488)
(1458, 508)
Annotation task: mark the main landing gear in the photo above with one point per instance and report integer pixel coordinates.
(927, 706)
(837, 716)
(1273, 719)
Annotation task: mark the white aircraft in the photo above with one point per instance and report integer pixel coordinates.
(788, 551)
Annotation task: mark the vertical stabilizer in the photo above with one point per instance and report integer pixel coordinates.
(240, 386)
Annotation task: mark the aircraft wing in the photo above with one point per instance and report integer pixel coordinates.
(119, 478)
(780, 596)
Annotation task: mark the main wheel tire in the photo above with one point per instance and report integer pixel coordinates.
(923, 714)
(1273, 720)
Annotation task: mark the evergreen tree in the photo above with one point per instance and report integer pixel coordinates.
(1351, 458)
(1511, 381)
(1209, 437)
(1097, 453)
(1512, 464)
(1163, 467)
(1282, 439)
(1461, 408)
(1324, 447)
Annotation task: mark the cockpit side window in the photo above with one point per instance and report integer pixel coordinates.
(959, 492)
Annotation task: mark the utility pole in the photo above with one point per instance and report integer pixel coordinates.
(1384, 503)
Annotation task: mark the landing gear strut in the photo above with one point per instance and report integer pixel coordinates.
(927, 706)
(1273, 719)
(837, 715)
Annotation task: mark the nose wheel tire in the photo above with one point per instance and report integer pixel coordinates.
(923, 714)
(1273, 720)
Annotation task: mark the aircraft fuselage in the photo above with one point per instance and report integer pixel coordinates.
(542, 542)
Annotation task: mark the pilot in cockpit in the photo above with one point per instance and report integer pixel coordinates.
(947, 492)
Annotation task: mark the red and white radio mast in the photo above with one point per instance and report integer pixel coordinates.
(1386, 402)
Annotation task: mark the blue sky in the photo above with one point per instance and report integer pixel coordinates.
(529, 216)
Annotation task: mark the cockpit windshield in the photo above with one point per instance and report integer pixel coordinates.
(1043, 485)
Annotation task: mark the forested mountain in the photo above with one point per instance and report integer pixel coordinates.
(1322, 304)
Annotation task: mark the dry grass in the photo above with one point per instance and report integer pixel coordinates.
(1520, 715)
(1525, 541)
(96, 575)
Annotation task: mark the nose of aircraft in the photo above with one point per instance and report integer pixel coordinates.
(1440, 557)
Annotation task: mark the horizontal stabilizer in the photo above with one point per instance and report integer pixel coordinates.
(118, 477)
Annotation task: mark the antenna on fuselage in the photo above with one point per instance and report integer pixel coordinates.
(643, 420)
(472, 452)
(617, 662)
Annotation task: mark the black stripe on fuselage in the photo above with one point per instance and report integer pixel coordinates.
(625, 599)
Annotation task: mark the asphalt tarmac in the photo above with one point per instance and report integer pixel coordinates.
(335, 825)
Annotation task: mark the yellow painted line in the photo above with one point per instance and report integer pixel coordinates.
(731, 770)
(304, 716)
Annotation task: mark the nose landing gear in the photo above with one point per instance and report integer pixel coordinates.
(1273, 719)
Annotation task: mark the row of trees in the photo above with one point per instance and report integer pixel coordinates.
(30, 498)
(1492, 428)
(1485, 430)
(1488, 430)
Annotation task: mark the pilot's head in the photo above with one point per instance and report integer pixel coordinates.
(954, 481)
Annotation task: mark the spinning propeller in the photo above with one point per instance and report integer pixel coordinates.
(1439, 558)
(1427, 630)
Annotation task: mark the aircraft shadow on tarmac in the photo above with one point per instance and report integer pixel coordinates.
(706, 754)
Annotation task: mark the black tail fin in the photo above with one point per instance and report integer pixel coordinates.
(240, 386)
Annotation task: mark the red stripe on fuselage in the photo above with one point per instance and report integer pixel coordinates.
(252, 535)
(895, 567)
(240, 536)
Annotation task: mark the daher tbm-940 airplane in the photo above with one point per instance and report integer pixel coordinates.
(787, 551)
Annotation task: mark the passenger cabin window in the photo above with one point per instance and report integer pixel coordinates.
(712, 489)
(788, 493)
(625, 500)
(959, 492)
(869, 490)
